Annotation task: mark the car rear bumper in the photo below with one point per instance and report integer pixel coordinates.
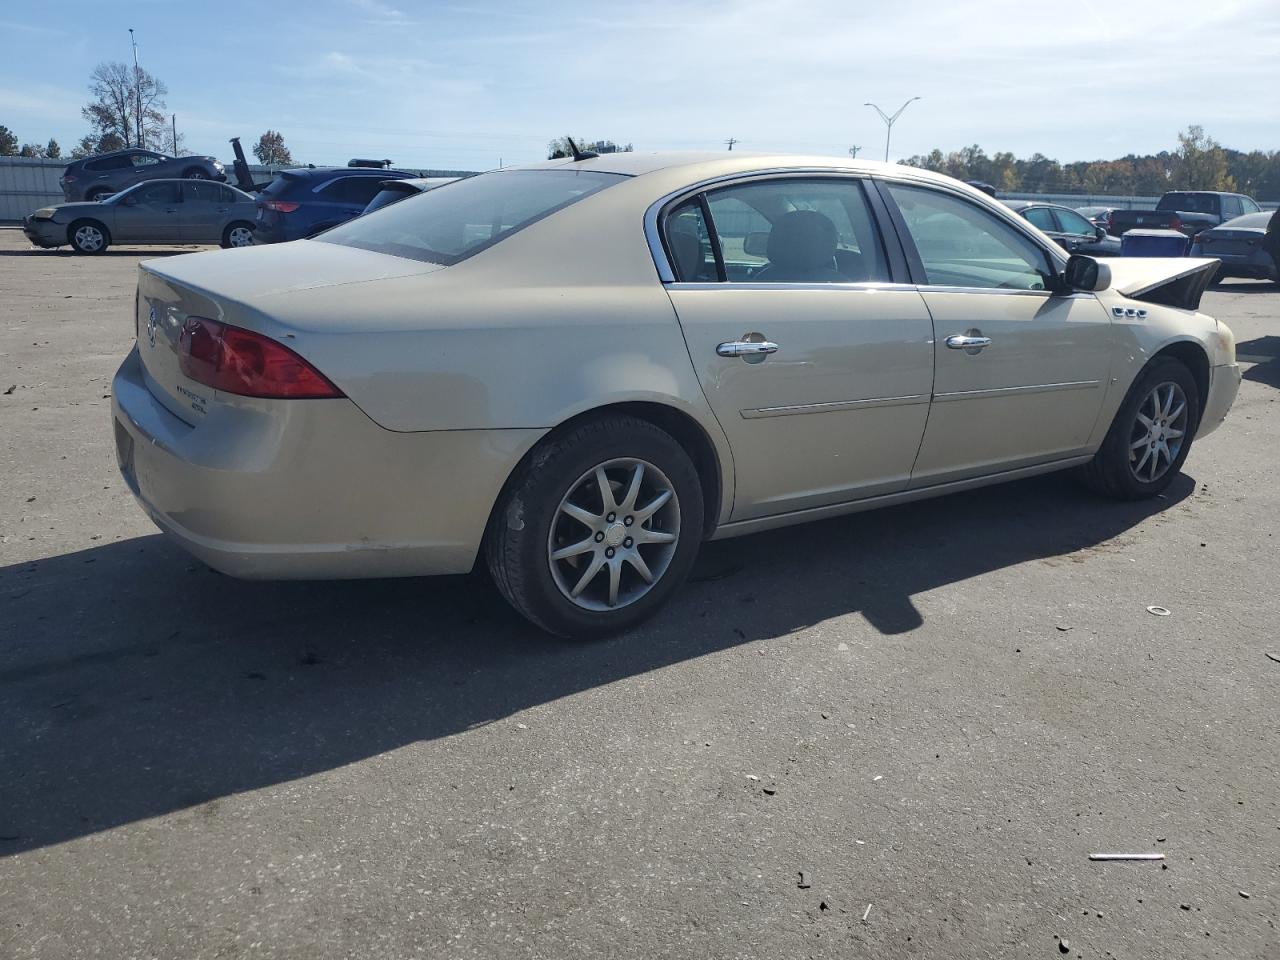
(309, 489)
(1224, 384)
(1257, 265)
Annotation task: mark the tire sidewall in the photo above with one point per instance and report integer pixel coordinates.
(1116, 447)
(536, 500)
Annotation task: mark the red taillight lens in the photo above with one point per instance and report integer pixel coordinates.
(281, 206)
(1175, 223)
(1110, 220)
(240, 361)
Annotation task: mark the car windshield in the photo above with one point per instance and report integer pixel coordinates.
(448, 225)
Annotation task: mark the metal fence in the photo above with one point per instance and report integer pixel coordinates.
(27, 184)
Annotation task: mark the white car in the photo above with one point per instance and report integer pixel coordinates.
(582, 369)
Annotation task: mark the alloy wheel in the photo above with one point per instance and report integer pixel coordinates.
(89, 238)
(614, 534)
(1159, 430)
(240, 237)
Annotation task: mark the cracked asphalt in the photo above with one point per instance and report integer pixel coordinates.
(934, 712)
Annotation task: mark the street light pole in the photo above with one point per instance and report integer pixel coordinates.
(137, 89)
(889, 122)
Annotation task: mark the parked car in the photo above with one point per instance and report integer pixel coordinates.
(555, 368)
(1240, 246)
(98, 177)
(393, 191)
(1184, 210)
(301, 203)
(159, 211)
(1069, 229)
(1096, 215)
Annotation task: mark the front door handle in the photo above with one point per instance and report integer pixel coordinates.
(968, 342)
(747, 348)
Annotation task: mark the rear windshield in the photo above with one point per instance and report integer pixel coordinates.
(281, 185)
(1190, 202)
(1256, 221)
(387, 196)
(458, 220)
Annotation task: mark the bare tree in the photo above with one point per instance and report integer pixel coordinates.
(270, 149)
(121, 97)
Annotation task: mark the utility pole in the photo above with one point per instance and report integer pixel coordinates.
(137, 88)
(174, 118)
(731, 141)
(889, 121)
(853, 151)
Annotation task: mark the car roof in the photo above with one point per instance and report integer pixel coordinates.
(353, 171)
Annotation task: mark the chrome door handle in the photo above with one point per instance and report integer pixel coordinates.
(746, 348)
(961, 341)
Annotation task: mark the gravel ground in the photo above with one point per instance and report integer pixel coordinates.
(934, 712)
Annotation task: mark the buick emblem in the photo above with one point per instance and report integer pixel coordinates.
(151, 327)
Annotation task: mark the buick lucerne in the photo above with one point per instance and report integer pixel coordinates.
(577, 371)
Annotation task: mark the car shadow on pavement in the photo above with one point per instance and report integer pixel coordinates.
(1264, 353)
(135, 682)
(110, 252)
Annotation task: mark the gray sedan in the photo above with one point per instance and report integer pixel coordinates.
(158, 211)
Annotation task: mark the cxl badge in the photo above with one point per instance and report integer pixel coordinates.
(151, 327)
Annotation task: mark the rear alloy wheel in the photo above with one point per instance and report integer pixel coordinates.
(1151, 435)
(239, 234)
(87, 236)
(598, 528)
(195, 173)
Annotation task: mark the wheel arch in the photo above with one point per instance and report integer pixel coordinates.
(1194, 357)
(93, 221)
(683, 427)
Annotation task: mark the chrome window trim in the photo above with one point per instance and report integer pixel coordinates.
(833, 406)
(865, 286)
(653, 232)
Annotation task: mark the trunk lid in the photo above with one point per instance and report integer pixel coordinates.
(221, 286)
(1172, 281)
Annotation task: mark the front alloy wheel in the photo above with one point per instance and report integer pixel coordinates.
(614, 534)
(1159, 429)
(239, 237)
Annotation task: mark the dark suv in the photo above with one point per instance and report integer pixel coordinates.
(300, 203)
(96, 177)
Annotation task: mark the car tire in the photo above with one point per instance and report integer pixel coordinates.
(97, 193)
(238, 234)
(1163, 399)
(194, 173)
(88, 236)
(554, 503)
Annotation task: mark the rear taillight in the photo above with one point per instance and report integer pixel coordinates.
(281, 206)
(1175, 223)
(1111, 220)
(240, 361)
(67, 179)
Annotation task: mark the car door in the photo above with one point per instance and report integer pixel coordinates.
(149, 214)
(201, 213)
(817, 364)
(1021, 371)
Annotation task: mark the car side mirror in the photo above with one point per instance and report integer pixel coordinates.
(1099, 233)
(756, 244)
(1086, 273)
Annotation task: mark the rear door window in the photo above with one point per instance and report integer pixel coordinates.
(1041, 217)
(201, 191)
(797, 230)
(109, 163)
(689, 244)
(144, 160)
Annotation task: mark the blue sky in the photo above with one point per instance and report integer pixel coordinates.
(464, 85)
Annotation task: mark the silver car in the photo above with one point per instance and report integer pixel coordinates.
(580, 370)
(158, 211)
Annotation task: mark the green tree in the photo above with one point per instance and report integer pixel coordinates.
(1202, 163)
(8, 142)
(31, 150)
(53, 150)
(271, 151)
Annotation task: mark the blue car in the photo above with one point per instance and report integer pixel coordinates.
(301, 203)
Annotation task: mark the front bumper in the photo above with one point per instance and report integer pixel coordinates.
(1224, 384)
(44, 233)
(309, 489)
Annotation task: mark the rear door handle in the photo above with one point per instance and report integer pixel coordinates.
(964, 341)
(747, 348)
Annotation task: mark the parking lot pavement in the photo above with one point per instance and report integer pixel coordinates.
(934, 712)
